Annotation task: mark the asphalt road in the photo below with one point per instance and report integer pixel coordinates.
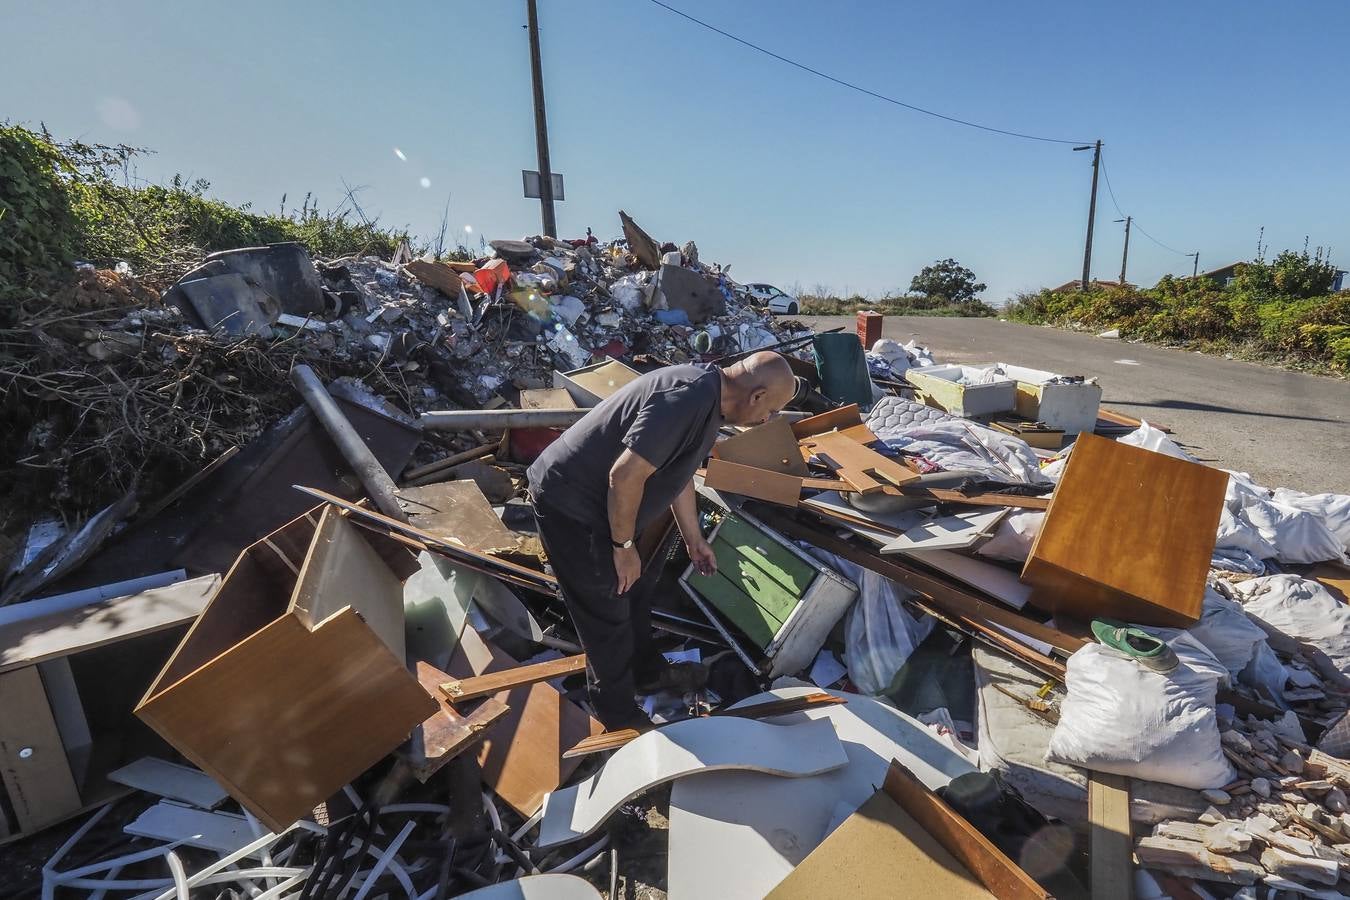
(1286, 429)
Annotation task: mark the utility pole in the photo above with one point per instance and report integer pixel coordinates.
(1195, 272)
(1125, 256)
(541, 125)
(1092, 209)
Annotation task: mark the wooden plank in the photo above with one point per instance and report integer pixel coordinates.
(762, 484)
(342, 570)
(1110, 842)
(29, 641)
(461, 690)
(437, 275)
(457, 511)
(613, 740)
(770, 446)
(521, 756)
(866, 469)
(841, 417)
(878, 853)
(1129, 535)
(172, 781)
(447, 733)
(287, 716)
(455, 459)
(32, 760)
(1003, 877)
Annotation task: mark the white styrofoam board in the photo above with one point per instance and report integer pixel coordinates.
(704, 745)
(158, 776)
(736, 835)
(552, 886)
(168, 821)
(954, 532)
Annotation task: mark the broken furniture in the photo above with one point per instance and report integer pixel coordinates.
(771, 446)
(69, 677)
(1128, 535)
(292, 680)
(782, 599)
(589, 385)
(1070, 404)
(955, 389)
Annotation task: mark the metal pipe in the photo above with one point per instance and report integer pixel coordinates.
(497, 419)
(354, 450)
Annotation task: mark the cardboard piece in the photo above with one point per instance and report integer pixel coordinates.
(1128, 535)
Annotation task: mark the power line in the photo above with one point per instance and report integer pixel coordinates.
(862, 90)
(1134, 221)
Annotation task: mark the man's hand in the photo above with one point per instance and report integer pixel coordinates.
(702, 556)
(627, 568)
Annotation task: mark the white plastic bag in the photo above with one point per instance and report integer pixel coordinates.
(1333, 508)
(1303, 609)
(1121, 717)
(1151, 438)
(1014, 536)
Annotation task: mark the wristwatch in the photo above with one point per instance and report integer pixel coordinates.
(626, 545)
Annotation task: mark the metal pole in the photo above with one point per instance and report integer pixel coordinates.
(1124, 257)
(497, 419)
(354, 450)
(1092, 214)
(541, 125)
(1195, 272)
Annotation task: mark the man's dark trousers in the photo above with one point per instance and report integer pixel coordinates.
(615, 630)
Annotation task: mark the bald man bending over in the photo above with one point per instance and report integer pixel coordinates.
(607, 478)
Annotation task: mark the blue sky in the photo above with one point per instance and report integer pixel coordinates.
(1217, 117)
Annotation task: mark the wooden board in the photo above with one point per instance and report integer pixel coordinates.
(605, 379)
(879, 853)
(841, 417)
(287, 716)
(987, 863)
(521, 756)
(762, 484)
(1129, 535)
(1110, 842)
(546, 398)
(461, 690)
(437, 275)
(861, 467)
(448, 733)
(59, 633)
(770, 446)
(1332, 576)
(342, 570)
(32, 760)
(172, 781)
(457, 511)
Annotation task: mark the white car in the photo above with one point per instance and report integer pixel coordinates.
(776, 301)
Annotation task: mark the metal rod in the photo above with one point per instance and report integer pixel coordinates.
(354, 450)
(496, 419)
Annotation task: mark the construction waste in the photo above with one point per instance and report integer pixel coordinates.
(275, 622)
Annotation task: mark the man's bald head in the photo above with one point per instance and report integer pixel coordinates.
(756, 387)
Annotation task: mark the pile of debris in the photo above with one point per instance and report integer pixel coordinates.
(969, 628)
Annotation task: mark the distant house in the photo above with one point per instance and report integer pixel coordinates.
(1077, 283)
(1225, 274)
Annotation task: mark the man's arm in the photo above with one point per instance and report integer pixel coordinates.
(685, 510)
(627, 481)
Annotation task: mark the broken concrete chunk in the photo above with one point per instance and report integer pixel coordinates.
(1216, 796)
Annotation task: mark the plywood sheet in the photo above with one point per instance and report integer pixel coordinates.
(841, 417)
(546, 398)
(711, 744)
(769, 446)
(605, 379)
(865, 469)
(873, 855)
(448, 733)
(1129, 535)
(749, 481)
(457, 511)
(521, 757)
(32, 759)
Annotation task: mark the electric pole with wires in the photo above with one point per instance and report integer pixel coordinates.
(541, 124)
(1092, 209)
(1124, 256)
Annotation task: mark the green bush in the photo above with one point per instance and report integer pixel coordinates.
(906, 305)
(38, 229)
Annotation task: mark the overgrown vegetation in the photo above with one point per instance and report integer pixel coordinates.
(61, 201)
(1281, 308)
(827, 304)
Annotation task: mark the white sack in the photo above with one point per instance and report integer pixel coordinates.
(1333, 508)
(1014, 536)
(1226, 632)
(1121, 717)
(1303, 609)
(894, 355)
(1151, 438)
(1295, 535)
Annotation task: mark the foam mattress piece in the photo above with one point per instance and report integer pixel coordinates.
(694, 746)
(1012, 741)
(893, 415)
(738, 834)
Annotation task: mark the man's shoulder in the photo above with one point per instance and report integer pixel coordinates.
(680, 378)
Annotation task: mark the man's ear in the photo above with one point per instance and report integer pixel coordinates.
(757, 397)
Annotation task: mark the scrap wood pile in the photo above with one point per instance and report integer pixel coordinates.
(968, 630)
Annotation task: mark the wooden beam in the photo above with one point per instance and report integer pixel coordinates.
(482, 685)
(990, 866)
(613, 740)
(1110, 843)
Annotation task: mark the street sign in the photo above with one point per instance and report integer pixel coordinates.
(531, 180)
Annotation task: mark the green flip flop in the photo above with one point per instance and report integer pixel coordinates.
(1149, 651)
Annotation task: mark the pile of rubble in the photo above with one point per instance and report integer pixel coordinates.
(970, 630)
